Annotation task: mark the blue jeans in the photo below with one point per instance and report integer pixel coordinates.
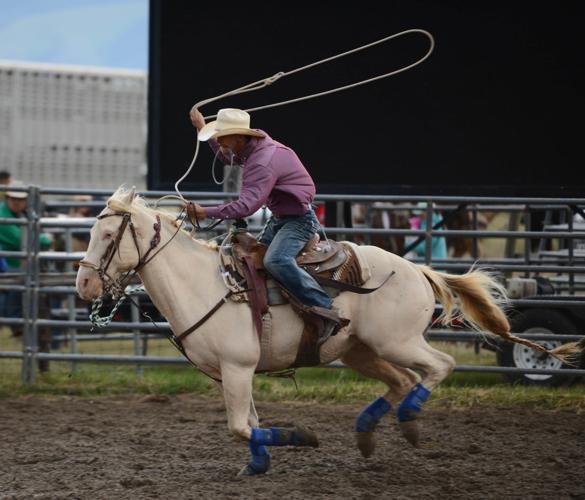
(285, 238)
(10, 304)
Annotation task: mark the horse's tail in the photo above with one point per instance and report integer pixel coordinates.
(477, 298)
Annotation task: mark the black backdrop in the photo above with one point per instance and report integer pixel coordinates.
(496, 110)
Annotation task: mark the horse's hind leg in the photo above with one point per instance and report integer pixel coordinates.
(365, 361)
(399, 381)
(237, 390)
(436, 365)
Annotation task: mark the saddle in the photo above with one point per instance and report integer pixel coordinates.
(315, 257)
(335, 265)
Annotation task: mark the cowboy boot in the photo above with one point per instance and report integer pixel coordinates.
(331, 322)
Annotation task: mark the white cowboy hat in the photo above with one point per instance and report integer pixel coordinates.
(17, 194)
(229, 121)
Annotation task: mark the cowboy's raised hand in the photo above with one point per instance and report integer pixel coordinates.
(197, 118)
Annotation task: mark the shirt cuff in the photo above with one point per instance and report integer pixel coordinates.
(213, 212)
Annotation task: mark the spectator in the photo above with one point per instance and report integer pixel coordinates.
(386, 217)
(14, 206)
(418, 221)
(5, 179)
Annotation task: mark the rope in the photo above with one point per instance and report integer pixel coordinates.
(260, 84)
(96, 305)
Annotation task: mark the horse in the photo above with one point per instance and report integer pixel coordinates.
(384, 339)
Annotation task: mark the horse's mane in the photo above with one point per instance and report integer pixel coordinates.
(119, 202)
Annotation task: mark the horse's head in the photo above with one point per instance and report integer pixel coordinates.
(115, 246)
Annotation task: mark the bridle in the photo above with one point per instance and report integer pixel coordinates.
(116, 287)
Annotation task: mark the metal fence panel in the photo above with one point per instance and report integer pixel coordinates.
(61, 333)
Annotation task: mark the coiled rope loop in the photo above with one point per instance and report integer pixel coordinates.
(260, 84)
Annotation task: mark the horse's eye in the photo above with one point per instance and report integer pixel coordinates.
(107, 236)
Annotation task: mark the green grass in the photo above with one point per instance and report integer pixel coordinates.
(325, 385)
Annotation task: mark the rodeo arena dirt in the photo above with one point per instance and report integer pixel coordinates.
(178, 447)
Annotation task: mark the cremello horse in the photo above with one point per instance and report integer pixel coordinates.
(384, 340)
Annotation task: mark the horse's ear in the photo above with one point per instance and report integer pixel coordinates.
(129, 196)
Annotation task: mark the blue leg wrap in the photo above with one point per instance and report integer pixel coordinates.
(371, 415)
(412, 403)
(260, 462)
(275, 436)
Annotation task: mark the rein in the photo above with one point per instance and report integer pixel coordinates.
(192, 214)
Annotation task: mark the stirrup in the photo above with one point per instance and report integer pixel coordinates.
(330, 328)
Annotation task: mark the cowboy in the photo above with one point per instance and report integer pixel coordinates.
(273, 176)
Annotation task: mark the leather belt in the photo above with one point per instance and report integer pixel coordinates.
(280, 217)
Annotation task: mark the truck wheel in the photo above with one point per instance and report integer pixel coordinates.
(520, 356)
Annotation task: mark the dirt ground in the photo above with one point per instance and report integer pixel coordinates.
(178, 447)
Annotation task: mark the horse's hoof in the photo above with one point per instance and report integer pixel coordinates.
(258, 465)
(306, 437)
(247, 470)
(410, 432)
(366, 443)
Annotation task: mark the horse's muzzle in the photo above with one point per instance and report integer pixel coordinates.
(88, 284)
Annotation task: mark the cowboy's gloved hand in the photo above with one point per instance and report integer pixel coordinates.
(197, 118)
(194, 211)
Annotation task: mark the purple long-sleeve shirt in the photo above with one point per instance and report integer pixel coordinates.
(273, 176)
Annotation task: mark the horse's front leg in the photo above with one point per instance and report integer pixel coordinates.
(253, 420)
(237, 390)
